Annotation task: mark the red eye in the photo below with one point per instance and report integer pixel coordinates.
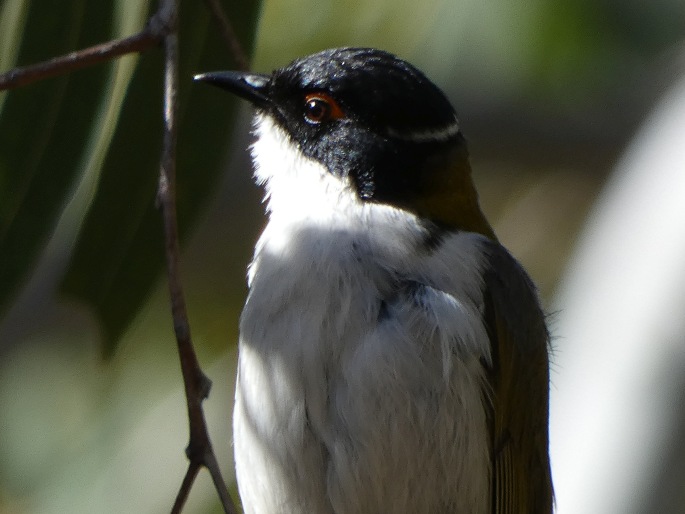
(320, 107)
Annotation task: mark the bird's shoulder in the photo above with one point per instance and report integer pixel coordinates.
(480, 296)
(477, 269)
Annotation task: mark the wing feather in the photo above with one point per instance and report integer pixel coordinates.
(519, 388)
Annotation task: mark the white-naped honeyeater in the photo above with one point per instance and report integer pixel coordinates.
(393, 356)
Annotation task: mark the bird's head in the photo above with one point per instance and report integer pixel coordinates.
(365, 122)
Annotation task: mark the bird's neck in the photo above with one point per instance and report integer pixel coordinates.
(448, 195)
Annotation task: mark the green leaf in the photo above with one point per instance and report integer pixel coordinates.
(91, 142)
(119, 253)
(42, 130)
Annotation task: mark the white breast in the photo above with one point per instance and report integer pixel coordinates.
(360, 384)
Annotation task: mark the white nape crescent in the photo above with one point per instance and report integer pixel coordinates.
(424, 136)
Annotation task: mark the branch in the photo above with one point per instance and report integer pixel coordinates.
(184, 490)
(155, 30)
(197, 385)
(228, 34)
(162, 26)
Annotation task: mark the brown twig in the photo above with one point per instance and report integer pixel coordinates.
(186, 485)
(228, 34)
(162, 26)
(152, 34)
(197, 385)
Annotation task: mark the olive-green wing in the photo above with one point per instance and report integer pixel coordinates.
(519, 388)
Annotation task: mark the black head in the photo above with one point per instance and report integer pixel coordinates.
(367, 116)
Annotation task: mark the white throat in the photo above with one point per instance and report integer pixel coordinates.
(297, 187)
(303, 196)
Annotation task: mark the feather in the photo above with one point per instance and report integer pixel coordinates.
(518, 387)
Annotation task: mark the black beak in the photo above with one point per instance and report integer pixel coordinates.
(250, 86)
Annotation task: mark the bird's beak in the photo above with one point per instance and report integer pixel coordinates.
(250, 86)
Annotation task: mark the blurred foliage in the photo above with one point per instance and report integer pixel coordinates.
(540, 46)
(42, 133)
(548, 94)
(101, 130)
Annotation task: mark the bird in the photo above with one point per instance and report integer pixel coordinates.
(393, 355)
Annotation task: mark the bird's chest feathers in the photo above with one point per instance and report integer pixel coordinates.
(312, 286)
(318, 290)
(351, 353)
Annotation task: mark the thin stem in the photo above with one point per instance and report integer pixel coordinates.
(151, 35)
(225, 498)
(197, 385)
(185, 488)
